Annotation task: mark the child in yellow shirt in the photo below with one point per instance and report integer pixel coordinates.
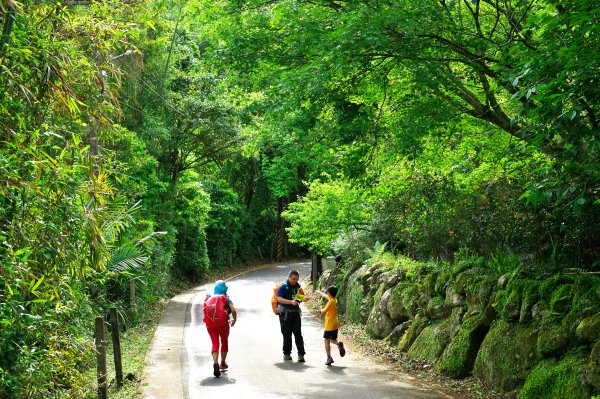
(332, 323)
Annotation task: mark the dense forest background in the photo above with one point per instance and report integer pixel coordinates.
(154, 141)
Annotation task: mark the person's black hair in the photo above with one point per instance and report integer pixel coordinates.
(294, 273)
(332, 290)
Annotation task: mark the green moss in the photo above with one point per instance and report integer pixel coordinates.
(354, 300)
(588, 329)
(416, 326)
(507, 355)
(432, 341)
(458, 358)
(552, 340)
(358, 302)
(555, 381)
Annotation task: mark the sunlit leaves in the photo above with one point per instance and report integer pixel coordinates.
(327, 210)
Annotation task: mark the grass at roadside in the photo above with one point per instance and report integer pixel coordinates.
(134, 344)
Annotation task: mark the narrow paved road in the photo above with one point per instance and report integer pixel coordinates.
(179, 365)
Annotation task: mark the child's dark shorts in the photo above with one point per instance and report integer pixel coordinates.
(330, 334)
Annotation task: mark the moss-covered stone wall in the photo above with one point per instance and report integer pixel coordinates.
(539, 338)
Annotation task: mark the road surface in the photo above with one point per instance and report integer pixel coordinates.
(179, 365)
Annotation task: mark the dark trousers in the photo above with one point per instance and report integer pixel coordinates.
(291, 323)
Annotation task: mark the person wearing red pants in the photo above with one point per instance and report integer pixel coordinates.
(216, 316)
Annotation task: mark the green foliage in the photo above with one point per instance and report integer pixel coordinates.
(191, 259)
(224, 226)
(328, 209)
(354, 245)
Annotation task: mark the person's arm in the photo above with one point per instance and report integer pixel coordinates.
(233, 314)
(284, 301)
(322, 294)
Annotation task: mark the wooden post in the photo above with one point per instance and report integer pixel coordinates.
(101, 358)
(132, 295)
(279, 230)
(114, 330)
(316, 270)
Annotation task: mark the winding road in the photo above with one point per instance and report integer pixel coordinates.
(179, 365)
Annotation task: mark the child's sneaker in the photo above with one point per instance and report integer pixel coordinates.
(341, 348)
(287, 356)
(301, 358)
(216, 371)
(223, 366)
(329, 361)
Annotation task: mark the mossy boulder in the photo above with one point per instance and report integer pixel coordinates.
(429, 283)
(358, 303)
(389, 278)
(478, 285)
(436, 309)
(552, 380)
(327, 278)
(512, 307)
(454, 299)
(515, 303)
(459, 357)
(541, 313)
(402, 303)
(379, 323)
(588, 329)
(416, 326)
(552, 340)
(432, 341)
(507, 355)
(530, 296)
(481, 291)
(398, 332)
(589, 376)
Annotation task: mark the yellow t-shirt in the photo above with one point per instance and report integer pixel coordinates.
(331, 317)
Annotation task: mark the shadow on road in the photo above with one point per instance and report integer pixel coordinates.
(336, 369)
(213, 381)
(297, 367)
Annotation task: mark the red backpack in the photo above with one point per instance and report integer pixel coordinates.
(215, 314)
